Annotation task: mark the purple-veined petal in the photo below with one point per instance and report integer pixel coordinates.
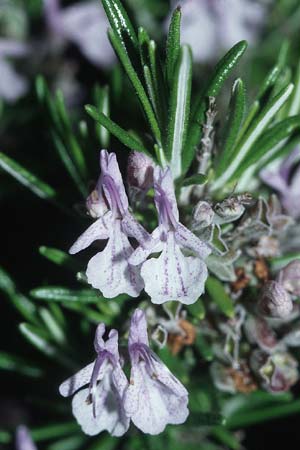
(153, 245)
(163, 182)
(134, 229)
(80, 379)
(109, 415)
(150, 404)
(98, 230)
(109, 270)
(99, 343)
(173, 276)
(186, 239)
(110, 168)
(138, 328)
(23, 439)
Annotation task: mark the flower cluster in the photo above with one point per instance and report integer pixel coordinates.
(151, 399)
(177, 273)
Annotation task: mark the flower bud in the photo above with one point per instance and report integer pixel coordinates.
(289, 277)
(278, 371)
(95, 204)
(203, 215)
(275, 301)
(140, 171)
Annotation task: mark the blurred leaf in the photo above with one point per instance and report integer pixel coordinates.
(137, 84)
(263, 414)
(53, 326)
(121, 134)
(268, 143)
(179, 111)
(217, 292)
(233, 125)
(255, 130)
(61, 294)
(197, 309)
(54, 431)
(19, 365)
(39, 339)
(26, 178)
(204, 347)
(294, 104)
(59, 257)
(173, 45)
(5, 437)
(226, 437)
(205, 419)
(281, 261)
(198, 179)
(69, 164)
(69, 443)
(222, 71)
(103, 106)
(25, 307)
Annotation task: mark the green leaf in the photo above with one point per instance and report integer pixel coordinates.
(54, 431)
(137, 84)
(69, 443)
(173, 45)
(19, 365)
(52, 325)
(120, 23)
(121, 134)
(269, 81)
(5, 437)
(103, 106)
(179, 111)
(294, 104)
(197, 309)
(221, 73)
(197, 179)
(268, 143)
(281, 261)
(26, 178)
(25, 307)
(233, 124)
(59, 257)
(158, 83)
(254, 132)
(249, 418)
(226, 437)
(69, 164)
(204, 348)
(61, 294)
(219, 296)
(205, 419)
(40, 340)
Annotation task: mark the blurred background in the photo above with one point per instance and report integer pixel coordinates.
(65, 42)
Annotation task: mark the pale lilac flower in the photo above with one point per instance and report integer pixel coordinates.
(277, 371)
(172, 275)
(154, 397)
(12, 85)
(109, 270)
(99, 407)
(84, 24)
(275, 301)
(286, 181)
(211, 26)
(23, 439)
(140, 171)
(289, 277)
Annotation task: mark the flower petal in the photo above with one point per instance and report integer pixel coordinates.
(186, 239)
(110, 415)
(109, 270)
(98, 230)
(134, 229)
(174, 276)
(78, 380)
(110, 167)
(138, 328)
(163, 181)
(150, 404)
